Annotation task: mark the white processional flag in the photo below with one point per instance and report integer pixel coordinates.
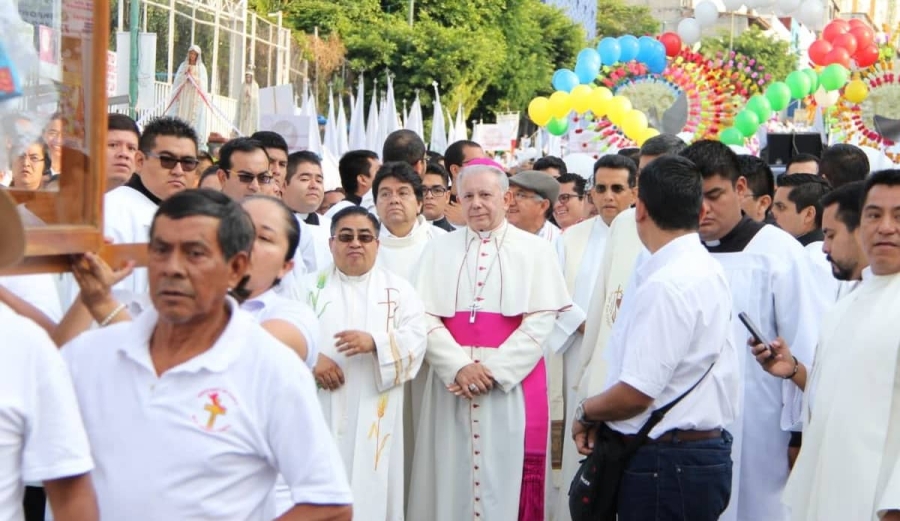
(331, 138)
(343, 143)
(372, 123)
(414, 122)
(357, 137)
(438, 129)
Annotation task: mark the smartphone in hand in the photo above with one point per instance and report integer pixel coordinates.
(755, 332)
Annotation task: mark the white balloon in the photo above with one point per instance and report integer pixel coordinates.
(689, 31)
(581, 164)
(733, 5)
(825, 98)
(706, 13)
(812, 15)
(787, 6)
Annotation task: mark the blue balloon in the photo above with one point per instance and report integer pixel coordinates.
(646, 49)
(657, 63)
(630, 47)
(609, 50)
(587, 72)
(565, 80)
(588, 56)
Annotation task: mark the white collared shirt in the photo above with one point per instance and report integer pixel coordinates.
(673, 324)
(272, 306)
(205, 439)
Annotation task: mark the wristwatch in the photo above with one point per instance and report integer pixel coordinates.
(579, 415)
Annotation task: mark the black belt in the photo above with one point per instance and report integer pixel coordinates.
(680, 435)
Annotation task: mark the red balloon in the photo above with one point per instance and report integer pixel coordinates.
(846, 41)
(856, 22)
(864, 36)
(838, 55)
(835, 28)
(672, 42)
(818, 51)
(866, 56)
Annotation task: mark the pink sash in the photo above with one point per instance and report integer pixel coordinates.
(490, 330)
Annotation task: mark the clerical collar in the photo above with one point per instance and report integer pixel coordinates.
(488, 234)
(311, 218)
(737, 239)
(811, 237)
(135, 183)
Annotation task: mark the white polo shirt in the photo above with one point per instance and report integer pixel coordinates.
(41, 434)
(206, 439)
(272, 306)
(674, 322)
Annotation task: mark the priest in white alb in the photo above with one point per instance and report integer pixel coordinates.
(492, 293)
(372, 342)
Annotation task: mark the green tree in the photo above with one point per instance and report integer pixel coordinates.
(615, 18)
(773, 54)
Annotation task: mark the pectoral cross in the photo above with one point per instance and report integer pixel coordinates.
(473, 309)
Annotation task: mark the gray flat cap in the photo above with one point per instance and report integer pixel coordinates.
(538, 182)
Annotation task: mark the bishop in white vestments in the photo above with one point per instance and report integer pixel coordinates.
(481, 445)
(372, 342)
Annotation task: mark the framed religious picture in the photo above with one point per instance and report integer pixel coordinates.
(53, 112)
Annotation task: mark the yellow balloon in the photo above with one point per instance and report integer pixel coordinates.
(633, 123)
(644, 135)
(856, 91)
(560, 104)
(581, 98)
(599, 98)
(616, 108)
(539, 111)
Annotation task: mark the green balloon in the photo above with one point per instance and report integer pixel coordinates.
(558, 126)
(813, 79)
(799, 84)
(834, 77)
(746, 122)
(731, 136)
(760, 105)
(779, 95)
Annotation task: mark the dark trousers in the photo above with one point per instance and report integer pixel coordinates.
(34, 504)
(677, 481)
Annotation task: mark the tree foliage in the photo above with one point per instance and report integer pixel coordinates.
(615, 18)
(489, 55)
(773, 54)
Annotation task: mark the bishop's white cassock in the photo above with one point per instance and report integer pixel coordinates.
(580, 249)
(849, 467)
(366, 413)
(490, 298)
(401, 254)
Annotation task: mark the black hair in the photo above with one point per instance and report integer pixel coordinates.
(546, 162)
(351, 165)
(662, 144)
(580, 183)
(434, 157)
(290, 223)
(456, 153)
(436, 169)
(806, 190)
(350, 211)
(631, 153)
(210, 171)
(269, 139)
(203, 154)
(713, 158)
(116, 121)
(401, 171)
(842, 164)
(403, 145)
(802, 158)
(296, 159)
(760, 178)
(889, 177)
(616, 162)
(671, 188)
(848, 199)
(165, 126)
(239, 144)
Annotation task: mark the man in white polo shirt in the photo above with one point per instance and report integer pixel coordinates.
(193, 409)
(41, 435)
(672, 339)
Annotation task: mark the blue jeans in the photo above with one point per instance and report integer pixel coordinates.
(677, 481)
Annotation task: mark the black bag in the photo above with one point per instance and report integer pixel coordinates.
(594, 492)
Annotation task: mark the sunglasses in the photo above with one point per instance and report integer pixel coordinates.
(246, 178)
(188, 164)
(616, 189)
(364, 238)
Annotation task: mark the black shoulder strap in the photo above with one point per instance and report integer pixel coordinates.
(657, 415)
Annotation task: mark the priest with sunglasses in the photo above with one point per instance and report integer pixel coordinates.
(372, 326)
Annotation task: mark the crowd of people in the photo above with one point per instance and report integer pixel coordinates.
(442, 339)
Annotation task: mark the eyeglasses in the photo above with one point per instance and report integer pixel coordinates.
(188, 164)
(437, 191)
(616, 189)
(364, 238)
(32, 159)
(524, 196)
(247, 178)
(565, 198)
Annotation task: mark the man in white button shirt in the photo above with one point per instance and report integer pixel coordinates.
(193, 409)
(672, 328)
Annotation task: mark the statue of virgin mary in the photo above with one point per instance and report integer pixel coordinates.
(190, 93)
